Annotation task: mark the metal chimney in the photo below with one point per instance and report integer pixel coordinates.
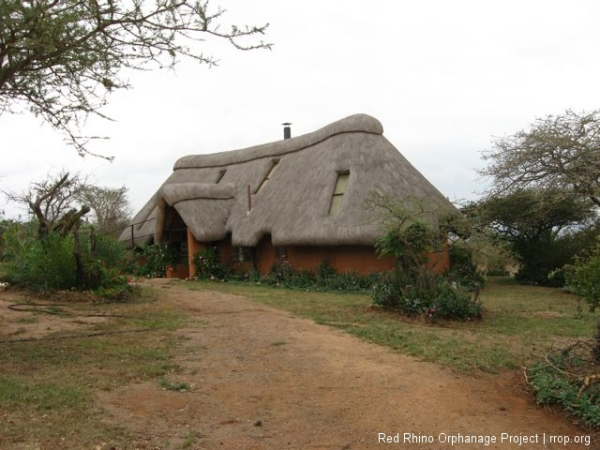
(287, 131)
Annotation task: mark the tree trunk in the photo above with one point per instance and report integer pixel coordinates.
(596, 350)
(80, 280)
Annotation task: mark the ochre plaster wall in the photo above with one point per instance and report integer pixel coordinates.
(361, 259)
(193, 247)
(352, 258)
(266, 255)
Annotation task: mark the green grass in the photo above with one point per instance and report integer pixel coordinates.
(178, 386)
(189, 440)
(21, 391)
(520, 323)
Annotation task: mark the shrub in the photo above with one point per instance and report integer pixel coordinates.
(48, 265)
(558, 380)
(208, 265)
(324, 274)
(462, 270)
(156, 259)
(440, 300)
(281, 272)
(454, 304)
(386, 294)
(583, 277)
(110, 251)
(41, 266)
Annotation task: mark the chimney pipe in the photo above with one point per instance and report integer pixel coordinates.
(287, 131)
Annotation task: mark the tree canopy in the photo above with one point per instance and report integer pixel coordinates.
(110, 207)
(557, 152)
(60, 59)
(544, 229)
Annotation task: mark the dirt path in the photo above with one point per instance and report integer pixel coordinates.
(263, 379)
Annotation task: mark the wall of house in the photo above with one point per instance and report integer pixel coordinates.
(439, 262)
(193, 247)
(350, 258)
(266, 255)
(361, 259)
(180, 271)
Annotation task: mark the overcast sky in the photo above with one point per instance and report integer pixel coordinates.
(443, 77)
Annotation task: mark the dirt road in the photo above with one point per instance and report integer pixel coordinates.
(263, 379)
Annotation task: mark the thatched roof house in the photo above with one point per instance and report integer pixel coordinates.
(304, 198)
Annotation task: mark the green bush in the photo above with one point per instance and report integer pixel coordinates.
(462, 270)
(41, 265)
(325, 278)
(325, 273)
(109, 251)
(455, 304)
(440, 300)
(280, 273)
(208, 265)
(556, 382)
(583, 277)
(6, 228)
(49, 264)
(156, 259)
(386, 294)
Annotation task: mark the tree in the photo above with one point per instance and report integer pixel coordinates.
(583, 276)
(109, 206)
(543, 228)
(57, 248)
(53, 202)
(558, 152)
(60, 59)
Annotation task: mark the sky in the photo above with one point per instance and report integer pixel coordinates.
(445, 78)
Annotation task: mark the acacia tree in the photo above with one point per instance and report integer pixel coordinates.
(53, 203)
(557, 152)
(60, 58)
(110, 206)
(59, 206)
(541, 227)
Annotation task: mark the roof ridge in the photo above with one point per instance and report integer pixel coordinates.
(357, 123)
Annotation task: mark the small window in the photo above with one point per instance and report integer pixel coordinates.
(220, 176)
(338, 193)
(245, 254)
(268, 176)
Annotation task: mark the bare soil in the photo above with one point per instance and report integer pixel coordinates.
(261, 378)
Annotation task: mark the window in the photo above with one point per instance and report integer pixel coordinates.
(245, 254)
(338, 193)
(268, 177)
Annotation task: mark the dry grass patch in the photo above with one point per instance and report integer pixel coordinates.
(49, 381)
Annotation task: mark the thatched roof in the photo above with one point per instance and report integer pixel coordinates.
(210, 191)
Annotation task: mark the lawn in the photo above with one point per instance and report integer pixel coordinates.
(520, 323)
